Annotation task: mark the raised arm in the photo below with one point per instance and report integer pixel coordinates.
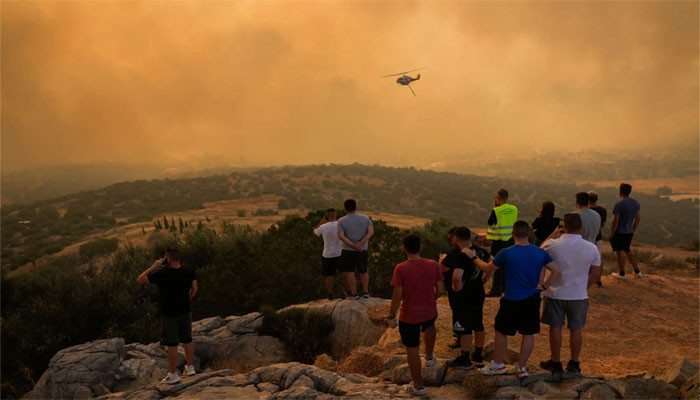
(143, 278)
(486, 267)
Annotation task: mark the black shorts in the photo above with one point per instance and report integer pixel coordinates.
(176, 329)
(521, 316)
(468, 318)
(330, 265)
(621, 241)
(353, 261)
(410, 333)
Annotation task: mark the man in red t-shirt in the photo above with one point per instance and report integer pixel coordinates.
(417, 283)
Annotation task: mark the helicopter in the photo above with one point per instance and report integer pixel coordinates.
(405, 79)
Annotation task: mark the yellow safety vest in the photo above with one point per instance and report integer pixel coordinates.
(506, 215)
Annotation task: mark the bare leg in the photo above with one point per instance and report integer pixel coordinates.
(555, 342)
(364, 280)
(329, 284)
(576, 339)
(633, 260)
(620, 260)
(349, 280)
(429, 340)
(499, 350)
(189, 352)
(479, 338)
(172, 358)
(526, 345)
(466, 342)
(414, 365)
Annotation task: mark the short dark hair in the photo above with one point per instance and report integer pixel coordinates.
(452, 230)
(350, 205)
(463, 233)
(502, 194)
(592, 197)
(411, 243)
(582, 199)
(547, 209)
(521, 229)
(572, 222)
(625, 189)
(173, 254)
(330, 211)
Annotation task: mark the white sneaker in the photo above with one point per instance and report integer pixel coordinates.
(494, 369)
(189, 370)
(171, 379)
(638, 274)
(410, 389)
(429, 361)
(618, 276)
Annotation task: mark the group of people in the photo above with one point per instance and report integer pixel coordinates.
(546, 282)
(557, 273)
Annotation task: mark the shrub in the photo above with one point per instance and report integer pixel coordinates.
(304, 332)
(98, 247)
(241, 213)
(264, 212)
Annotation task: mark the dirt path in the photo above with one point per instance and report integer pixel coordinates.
(633, 326)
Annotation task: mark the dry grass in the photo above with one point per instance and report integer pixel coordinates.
(364, 360)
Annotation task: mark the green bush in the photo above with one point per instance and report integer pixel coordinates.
(304, 332)
(98, 247)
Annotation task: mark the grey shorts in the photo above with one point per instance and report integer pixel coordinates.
(555, 310)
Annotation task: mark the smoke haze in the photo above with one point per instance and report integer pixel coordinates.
(298, 82)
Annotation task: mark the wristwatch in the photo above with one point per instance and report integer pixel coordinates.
(475, 257)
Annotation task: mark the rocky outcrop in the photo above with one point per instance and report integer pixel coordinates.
(354, 325)
(279, 381)
(81, 371)
(679, 373)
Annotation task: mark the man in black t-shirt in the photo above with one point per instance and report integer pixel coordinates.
(446, 262)
(593, 205)
(468, 287)
(177, 285)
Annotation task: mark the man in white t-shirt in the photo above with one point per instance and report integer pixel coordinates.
(579, 261)
(332, 246)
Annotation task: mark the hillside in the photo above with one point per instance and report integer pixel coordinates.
(32, 230)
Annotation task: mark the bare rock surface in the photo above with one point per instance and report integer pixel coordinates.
(353, 325)
(81, 370)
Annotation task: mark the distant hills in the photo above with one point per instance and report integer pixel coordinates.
(42, 227)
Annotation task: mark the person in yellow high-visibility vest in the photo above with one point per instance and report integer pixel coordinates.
(500, 232)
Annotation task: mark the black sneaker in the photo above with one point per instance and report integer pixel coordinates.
(477, 358)
(599, 283)
(555, 367)
(354, 296)
(365, 295)
(462, 362)
(456, 345)
(573, 367)
(330, 297)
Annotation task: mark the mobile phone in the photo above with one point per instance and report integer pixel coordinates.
(165, 261)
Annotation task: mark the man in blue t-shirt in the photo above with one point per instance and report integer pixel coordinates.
(625, 221)
(522, 265)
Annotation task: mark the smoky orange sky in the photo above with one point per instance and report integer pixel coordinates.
(299, 82)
